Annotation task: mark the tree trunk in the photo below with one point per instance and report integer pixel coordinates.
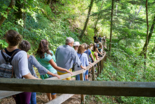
(111, 26)
(98, 17)
(149, 37)
(19, 13)
(145, 50)
(12, 3)
(85, 26)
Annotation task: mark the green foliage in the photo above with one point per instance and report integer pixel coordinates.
(66, 19)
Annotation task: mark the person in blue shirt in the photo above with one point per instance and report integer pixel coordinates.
(84, 60)
(90, 58)
(66, 56)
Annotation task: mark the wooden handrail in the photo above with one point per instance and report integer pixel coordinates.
(4, 94)
(77, 72)
(80, 87)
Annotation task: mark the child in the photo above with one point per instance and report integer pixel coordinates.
(100, 49)
(95, 52)
(47, 59)
(90, 58)
(19, 63)
(25, 46)
(83, 58)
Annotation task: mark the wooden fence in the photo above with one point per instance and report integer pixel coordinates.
(48, 85)
(69, 88)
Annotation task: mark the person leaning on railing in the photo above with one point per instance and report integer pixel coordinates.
(46, 58)
(95, 52)
(84, 60)
(76, 46)
(19, 63)
(25, 46)
(90, 58)
(66, 56)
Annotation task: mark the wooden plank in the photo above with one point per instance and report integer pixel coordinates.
(60, 99)
(80, 87)
(4, 94)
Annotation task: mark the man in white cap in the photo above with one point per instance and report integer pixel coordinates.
(76, 46)
(66, 56)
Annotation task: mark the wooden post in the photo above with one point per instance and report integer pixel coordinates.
(98, 71)
(93, 73)
(82, 96)
(100, 66)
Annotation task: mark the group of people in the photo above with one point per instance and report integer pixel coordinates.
(98, 39)
(65, 59)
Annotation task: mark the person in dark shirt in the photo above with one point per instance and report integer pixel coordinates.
(100, 38)
(95, 38)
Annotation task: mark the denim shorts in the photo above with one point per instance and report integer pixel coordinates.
(86, 73)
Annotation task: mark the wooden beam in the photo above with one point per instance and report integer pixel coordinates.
(4, 94)
(80, 87)
(82, 96)
(93, 73)
(60, 99)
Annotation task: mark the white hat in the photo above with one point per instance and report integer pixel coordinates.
(76, 43)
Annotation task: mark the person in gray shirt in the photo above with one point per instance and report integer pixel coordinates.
(66, 56)
(25, 46)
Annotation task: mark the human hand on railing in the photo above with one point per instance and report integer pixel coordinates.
(69, 72)
(91, 64)
(57, 76)
(84, 68)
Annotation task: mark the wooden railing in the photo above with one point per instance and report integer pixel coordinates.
(69, 88)
(13, 85)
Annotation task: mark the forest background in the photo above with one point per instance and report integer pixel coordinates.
(54, 20)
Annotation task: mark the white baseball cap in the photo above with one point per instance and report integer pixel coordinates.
(76, 44)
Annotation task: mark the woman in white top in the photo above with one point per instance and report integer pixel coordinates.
(76, 46)
(19, 63)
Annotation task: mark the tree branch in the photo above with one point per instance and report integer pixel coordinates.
(12, 3)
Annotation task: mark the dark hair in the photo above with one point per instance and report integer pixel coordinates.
(81, 49)
(25, 45)
(94, 47)
(13, 37)
(43, 48)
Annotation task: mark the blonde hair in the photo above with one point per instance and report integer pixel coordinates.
(100, 45)
(81, 49)
(85, 45)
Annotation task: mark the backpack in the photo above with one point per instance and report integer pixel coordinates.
(6, 69)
